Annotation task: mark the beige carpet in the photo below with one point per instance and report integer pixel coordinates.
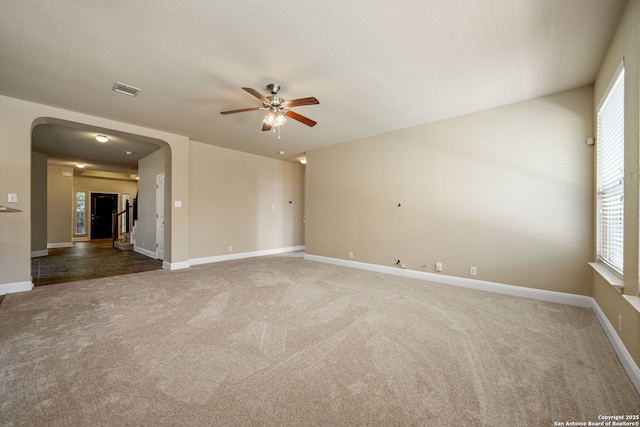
(283, 341)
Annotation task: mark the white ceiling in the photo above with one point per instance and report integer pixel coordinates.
(374, 65)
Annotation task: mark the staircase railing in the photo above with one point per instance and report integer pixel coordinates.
(115, 222)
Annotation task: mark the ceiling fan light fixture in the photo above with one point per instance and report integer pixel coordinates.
(280, 120)
(270, 118)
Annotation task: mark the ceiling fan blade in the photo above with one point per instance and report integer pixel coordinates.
(257, 94)
(298, 117)
(266, 126)
(302, 101)
(242, 110)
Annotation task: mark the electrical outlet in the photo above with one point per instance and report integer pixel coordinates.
(403, 265)
(473, 271)
(350, 254)
(619, 322)
(230, 248)
(438, 266)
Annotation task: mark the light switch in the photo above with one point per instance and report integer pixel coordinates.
(13, 198)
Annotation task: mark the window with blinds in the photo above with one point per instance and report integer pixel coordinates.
(610, 175)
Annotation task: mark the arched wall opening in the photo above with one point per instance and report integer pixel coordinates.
(65, 142)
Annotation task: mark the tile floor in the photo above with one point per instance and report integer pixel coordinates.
(88, 260)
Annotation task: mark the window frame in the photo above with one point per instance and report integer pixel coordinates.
(610, 175)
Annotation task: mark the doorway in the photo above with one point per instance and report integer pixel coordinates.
(102, 207)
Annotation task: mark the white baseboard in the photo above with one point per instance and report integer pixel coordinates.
(482, 285)
(144, 251)
(175, 265)
(242, 255)
(627, 361)
(60, 245)
(10, 288)
(36, 254)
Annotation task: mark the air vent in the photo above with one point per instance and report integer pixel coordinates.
(126, 89)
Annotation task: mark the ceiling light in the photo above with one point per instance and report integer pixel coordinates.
(270, 118)
(280, 120)
(275, 118)
(303, 160)
(102, 138)
(129, 152)
(80, 165)
(281, 152)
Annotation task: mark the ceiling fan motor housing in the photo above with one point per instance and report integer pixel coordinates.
(273, 88)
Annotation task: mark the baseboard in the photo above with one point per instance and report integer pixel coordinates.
(626, 360)
(242, 255)
(175, 265)
(144, 251)
(10, 288)
(36, 254)
(629, 365)
(59, 245)
(481, 285)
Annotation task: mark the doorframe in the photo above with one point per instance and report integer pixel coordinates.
(160, 213)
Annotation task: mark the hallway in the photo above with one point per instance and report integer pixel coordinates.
(88, 260)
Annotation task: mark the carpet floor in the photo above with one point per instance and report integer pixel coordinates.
(280, 341)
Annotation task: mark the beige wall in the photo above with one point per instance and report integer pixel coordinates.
(39, 173)
(507, 190)
(60, 214)
(625, 45)
(145, 227)
(101, 185)
(242, 200)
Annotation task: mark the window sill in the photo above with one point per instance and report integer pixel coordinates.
(616, 282)
(607, 275)
(634, 301)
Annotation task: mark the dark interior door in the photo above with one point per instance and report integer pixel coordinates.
(102, 206)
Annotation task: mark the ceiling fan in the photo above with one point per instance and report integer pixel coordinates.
(277, 108)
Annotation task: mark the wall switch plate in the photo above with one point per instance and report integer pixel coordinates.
(12, 198)
(178, 203)
(438, 266)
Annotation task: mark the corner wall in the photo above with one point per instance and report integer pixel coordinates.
(506, 190)
(145, 232)
(625, 45)
(60, 215)
(38, 204)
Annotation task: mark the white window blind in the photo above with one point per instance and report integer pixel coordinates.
(610, 175)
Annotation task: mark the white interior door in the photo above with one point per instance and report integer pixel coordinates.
(160, 216)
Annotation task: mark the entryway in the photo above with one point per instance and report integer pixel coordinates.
(88, 260)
